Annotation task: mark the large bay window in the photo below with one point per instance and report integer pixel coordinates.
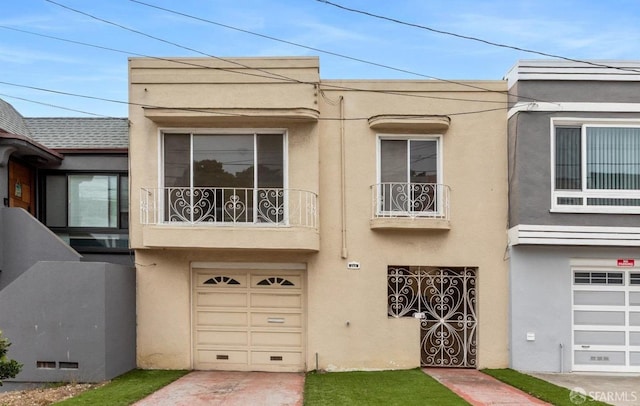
(409, 177)
(90, 211)
(224, 178)
(596, 167)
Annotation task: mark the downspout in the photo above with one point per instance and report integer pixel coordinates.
(343, 187)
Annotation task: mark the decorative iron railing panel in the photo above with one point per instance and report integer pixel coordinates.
(228, 206)
(399, 199)
(444, 299)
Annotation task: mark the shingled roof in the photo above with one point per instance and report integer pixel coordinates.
(79, 132)
(11, 121)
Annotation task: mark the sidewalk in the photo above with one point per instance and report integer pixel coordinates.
(480, 389)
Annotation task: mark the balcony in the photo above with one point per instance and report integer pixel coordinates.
(229, 218)
(402, 205)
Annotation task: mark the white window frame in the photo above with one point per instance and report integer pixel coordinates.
(440, 175)
(225, 131)
(585, 193)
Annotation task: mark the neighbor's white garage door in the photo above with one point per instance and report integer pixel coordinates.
(248, 320)
(606, 320)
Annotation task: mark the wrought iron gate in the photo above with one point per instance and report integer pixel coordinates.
(444, 299)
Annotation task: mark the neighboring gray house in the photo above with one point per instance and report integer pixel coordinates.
(574, 220)
(67, 286)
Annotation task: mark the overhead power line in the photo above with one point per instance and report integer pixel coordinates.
(268, 74)
(222, 113)
(54, 105)
(470, 38)
(234, 70)
(323, 51)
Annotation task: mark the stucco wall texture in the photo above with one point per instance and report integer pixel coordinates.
(346, 322)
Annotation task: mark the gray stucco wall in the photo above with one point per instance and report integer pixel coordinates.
(74, 312)
(530, 182)
(94, 162)
(540, 303)
(26, 241)
(578, 91)
(120, 313)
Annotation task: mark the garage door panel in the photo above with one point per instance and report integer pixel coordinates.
(600, 337)
(276, 320)
(276, 358)
(606, 320)
(222, 337)
(221, 299)
(223, 356)
(599, 298)
(599, 318)
(600, 358)
(208, 280)
(280, 281)
(220, 318)
(276, 339)
(248, 320)
(271, 300)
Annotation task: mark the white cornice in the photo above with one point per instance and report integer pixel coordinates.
(525, 234)
(575, 107)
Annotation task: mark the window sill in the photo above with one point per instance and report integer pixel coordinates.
(409, 223)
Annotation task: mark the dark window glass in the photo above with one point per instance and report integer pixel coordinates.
(568, 158)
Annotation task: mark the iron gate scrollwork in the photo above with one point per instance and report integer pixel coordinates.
(445, 298)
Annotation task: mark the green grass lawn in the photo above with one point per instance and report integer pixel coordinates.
(406, 387)
(556, 395)
(126, 389)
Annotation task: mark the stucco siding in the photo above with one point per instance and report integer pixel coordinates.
(346, 310)
(540, 303)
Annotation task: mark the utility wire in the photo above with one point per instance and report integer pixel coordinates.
(323, 51)
(235, 70)
(226, 113)
(271, 74)
(470, 38)
(55, 106)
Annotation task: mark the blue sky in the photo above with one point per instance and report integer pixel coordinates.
(585, 29)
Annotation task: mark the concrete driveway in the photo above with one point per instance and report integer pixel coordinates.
(609, 388)
(230, 388)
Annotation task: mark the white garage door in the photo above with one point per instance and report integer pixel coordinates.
(248, 320)
(606, 320)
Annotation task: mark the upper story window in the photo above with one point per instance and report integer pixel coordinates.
(224, 178)
(409, 177)
(596, 168)
(90, 211)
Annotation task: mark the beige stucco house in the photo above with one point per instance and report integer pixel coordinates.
(286, 223)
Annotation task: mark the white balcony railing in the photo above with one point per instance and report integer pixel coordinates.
(272, 207)
(402, 199)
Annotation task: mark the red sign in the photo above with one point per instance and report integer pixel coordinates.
(627, 262)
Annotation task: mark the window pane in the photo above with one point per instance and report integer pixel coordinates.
(568, 158)
(270, 161)
(56, 201)
(424, 161)
(223, 160)
(124, 202)
(613, 158)
(93, 201)
(176, 160)
(393, 161)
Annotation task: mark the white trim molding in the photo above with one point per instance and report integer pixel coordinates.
(573, 107)
(525, 234)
